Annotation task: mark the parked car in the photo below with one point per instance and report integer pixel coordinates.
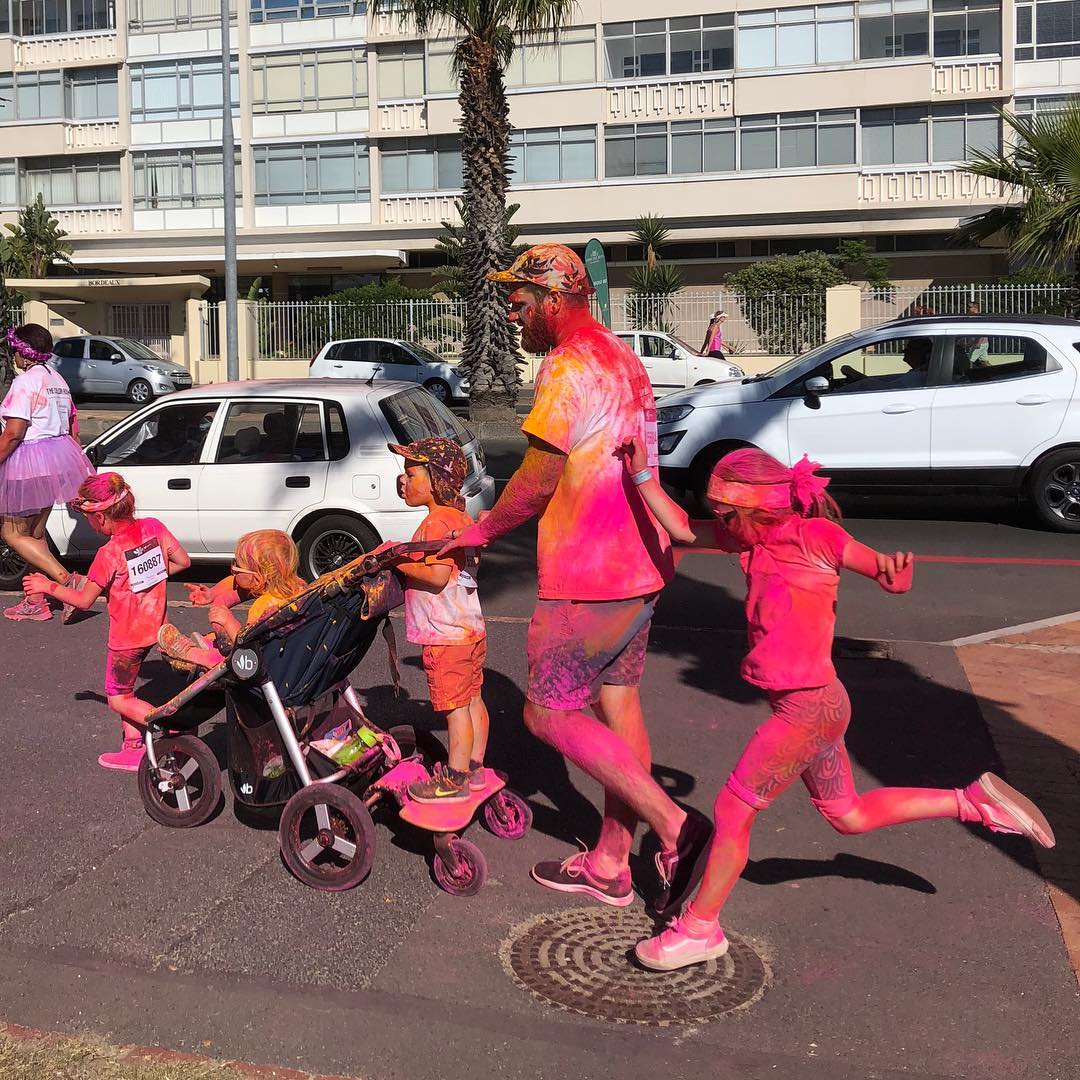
(306, 456)
(379, 359)
(943, 403)
(116, 367)
(674, 365)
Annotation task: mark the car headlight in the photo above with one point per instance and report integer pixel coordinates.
(669, 414)
(734, 372)
(156, 369)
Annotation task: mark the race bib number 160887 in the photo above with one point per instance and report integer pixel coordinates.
(146, 566)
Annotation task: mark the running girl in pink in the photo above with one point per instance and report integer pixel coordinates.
(792, 550)
(132, 568)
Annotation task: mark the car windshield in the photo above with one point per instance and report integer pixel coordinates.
(682, 344)
(797, 361)
(414, 414)
(137, 350)
(427, 354)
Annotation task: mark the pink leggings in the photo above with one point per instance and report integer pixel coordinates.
(804, 738)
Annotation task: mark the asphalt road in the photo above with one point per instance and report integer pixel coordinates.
(927, 950)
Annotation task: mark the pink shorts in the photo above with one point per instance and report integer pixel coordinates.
(577, 646)
(122, 669)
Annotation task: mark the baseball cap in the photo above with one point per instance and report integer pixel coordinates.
(446, 465)
(550, 266)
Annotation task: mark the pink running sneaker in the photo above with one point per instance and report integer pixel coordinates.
(1001, 808)
(76, 582)
(27, 610)
(677, 947)
(126, 759)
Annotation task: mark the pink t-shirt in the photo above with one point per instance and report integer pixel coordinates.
(40, 397)
(597, 540)
(792, 579)
(134, 556)
(717, 342)
(451, 616)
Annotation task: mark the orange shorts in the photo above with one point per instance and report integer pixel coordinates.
(455, 673)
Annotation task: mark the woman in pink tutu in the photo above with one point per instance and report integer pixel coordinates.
(41, 463)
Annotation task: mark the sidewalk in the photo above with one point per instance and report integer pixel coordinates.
(1033, 677)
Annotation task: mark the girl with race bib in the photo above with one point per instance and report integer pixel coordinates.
(132, 568)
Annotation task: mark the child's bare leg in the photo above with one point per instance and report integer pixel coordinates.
(478, 716)
(133, 712)
(460, 729)
(727, 855)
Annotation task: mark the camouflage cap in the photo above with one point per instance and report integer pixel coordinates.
(446, 466)
(550, 266)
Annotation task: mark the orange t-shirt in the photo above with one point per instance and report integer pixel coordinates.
(451, 616)
(597, 540)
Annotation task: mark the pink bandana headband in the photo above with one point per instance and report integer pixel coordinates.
(24, 349)
(797, 493)
(83, 506)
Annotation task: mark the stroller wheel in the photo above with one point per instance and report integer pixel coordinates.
(185, 789)
(471, 872)
(508, 815)
(327, 837)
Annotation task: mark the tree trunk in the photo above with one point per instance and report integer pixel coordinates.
(490, 356)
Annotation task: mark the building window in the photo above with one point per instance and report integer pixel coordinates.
(699, 146)
(957, 131)
(440, 67)
(146, 15)
(9, 184)
(412, 165)
(569, 58)
(72, 181)
(312, 173)
(796, 37)
(1047, 29)
(967, 28)
(171, 179)
(636, 150)
(286, 10)
(895, 136)
(552, 155)
(319, 81)
(401, 71)
(891, 29)
(32, 95)
(1042, 106)
(657, 47)
(179, 90)
(91, 93)
(36, 18)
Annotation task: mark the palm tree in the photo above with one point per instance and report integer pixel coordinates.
(1040, 174)
(653, 286)
(488, 31)
(36, 243)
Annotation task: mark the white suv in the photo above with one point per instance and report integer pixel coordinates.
(381, 359)
(306, 456)
(956, 403)
(673, 365)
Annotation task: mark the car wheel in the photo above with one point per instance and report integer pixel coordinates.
(13, 569)
(440, 388)
(332, 541)
(140, 392)
(1054, 489)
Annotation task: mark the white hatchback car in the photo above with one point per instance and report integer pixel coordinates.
(673, 365)
(943, 403)
(381, 359)
(306, 456)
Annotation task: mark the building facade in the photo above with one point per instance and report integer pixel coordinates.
(755, 127)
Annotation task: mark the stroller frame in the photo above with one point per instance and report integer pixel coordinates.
(177, 762)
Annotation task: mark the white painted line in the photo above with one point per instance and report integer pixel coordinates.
(1011, 631)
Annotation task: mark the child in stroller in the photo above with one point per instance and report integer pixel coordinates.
(287, 695)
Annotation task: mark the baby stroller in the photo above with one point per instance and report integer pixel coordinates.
(299, 743)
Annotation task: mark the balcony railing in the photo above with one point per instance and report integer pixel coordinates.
(402, 117)
(417, 209)
(691, 100)
(964, 79)
(92, 135)
(928, 184)
(65, 49)
(91, 221)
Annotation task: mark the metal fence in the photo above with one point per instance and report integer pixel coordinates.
(773, 324)
(11, 316)
(209, 332)
(144, 15)
(880, 306)
(289, 331)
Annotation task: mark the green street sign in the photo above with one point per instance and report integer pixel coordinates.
(596, 266)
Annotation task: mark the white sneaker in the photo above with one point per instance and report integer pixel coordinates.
(674, 947)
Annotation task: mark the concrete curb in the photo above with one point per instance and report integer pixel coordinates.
(160, 1056)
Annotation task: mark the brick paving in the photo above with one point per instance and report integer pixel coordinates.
(1026, 686)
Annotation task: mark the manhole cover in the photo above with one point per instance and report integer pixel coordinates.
(582, 960)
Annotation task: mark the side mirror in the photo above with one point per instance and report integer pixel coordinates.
(94, 454)
(815, 387)
(116, 357)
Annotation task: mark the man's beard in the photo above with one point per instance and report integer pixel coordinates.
(539, 335)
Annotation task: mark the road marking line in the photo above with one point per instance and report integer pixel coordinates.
(1012, 631)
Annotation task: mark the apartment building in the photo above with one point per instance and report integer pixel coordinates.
(754, 126)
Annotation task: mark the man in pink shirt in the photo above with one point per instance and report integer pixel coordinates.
(602, 558)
